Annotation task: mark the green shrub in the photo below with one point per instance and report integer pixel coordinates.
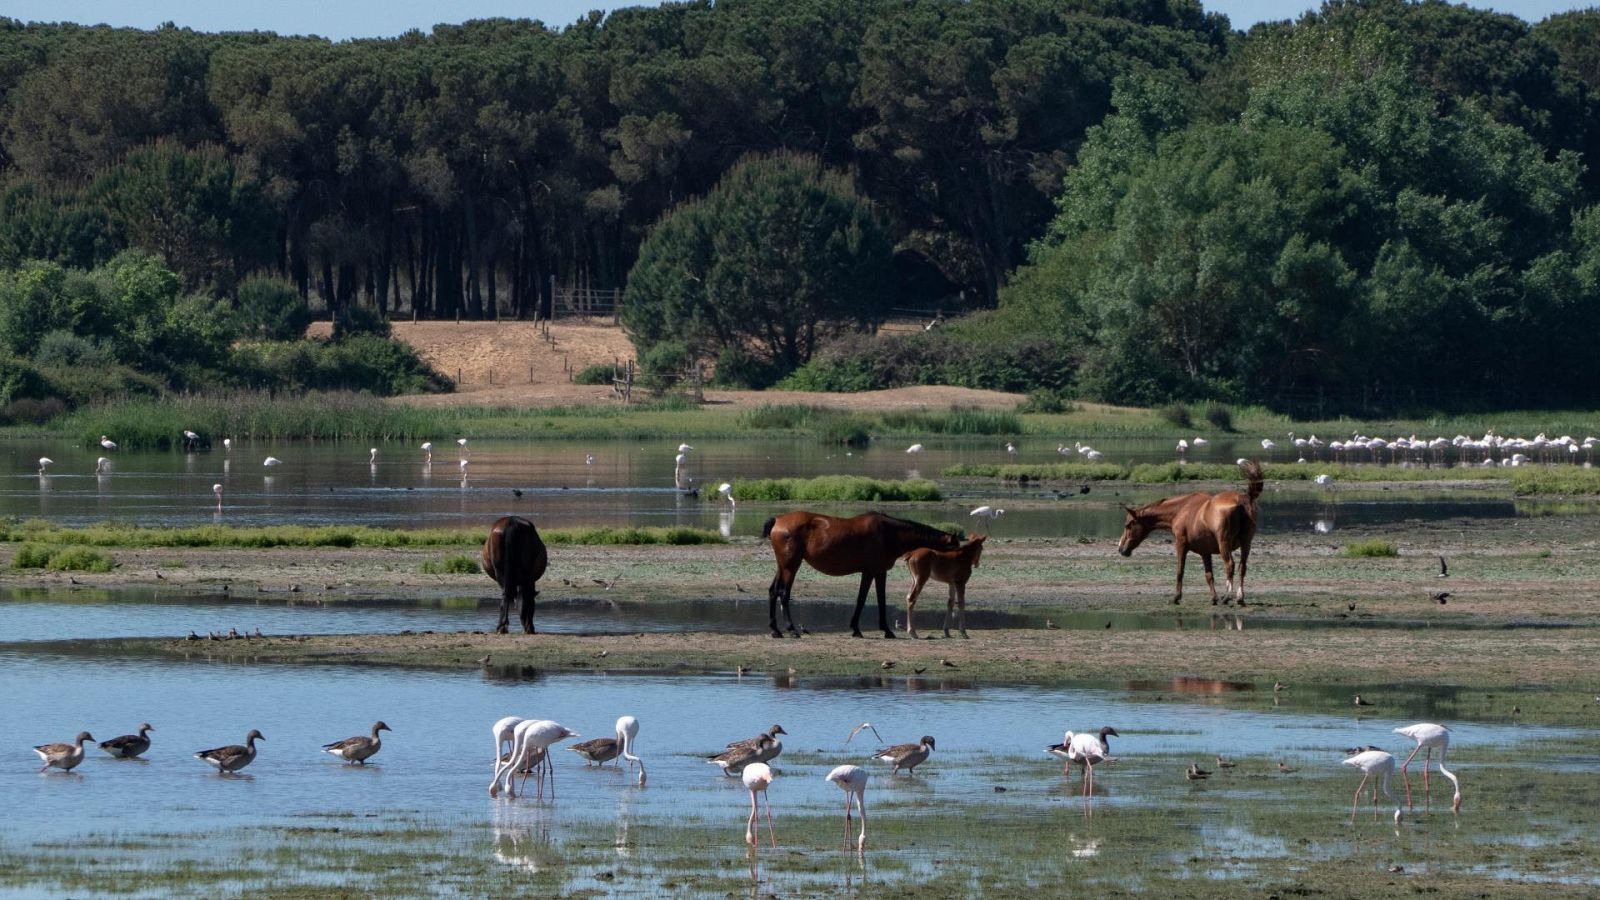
(661, 366)
(362, 362)
(739, 369)
(848, 488)
(28, 411)
(451, 565)
(978, 358)
(1178, 414)
(271, 309)
(1375, 548)
(1220, 416)
(79, 559)
(1045, 400)
(957, 420)
(1569, 480)
(599, 373)
(355, 320)
(31, 556)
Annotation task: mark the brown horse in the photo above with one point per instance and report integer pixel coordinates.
(870, 544)
(953, 567)
(1202, 523)
(514, 556)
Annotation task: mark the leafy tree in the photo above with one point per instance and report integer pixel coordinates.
(779, 255)
(271, 309)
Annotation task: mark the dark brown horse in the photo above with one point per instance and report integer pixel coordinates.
(869, 544)
(514, 556)
(1202, 523)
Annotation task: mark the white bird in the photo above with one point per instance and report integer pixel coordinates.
(684, 448)
(45, 463)
(853, 781)
(227, 445)
(677, 461)
(530, 737)
(1094, 456)
(1200, 442)
(1268, 445)
(987, 513)
(757, 778)
(427, 452)
(373, 459)
(627, 733)
(1085, 749)
(217, 489)
(726, 490)
(1183, 446)
(1428, 736)
(1011, 448)
(1373, 762)
(914, 448)
(464, 463)
(272, 461)
(107, 443)
(504, 732)
(102, 465)
(189, 435)
(1323, 479)
(589, 460)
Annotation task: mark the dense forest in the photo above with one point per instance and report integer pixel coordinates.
(1381, 203)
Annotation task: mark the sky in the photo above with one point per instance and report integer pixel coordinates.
(341, 19)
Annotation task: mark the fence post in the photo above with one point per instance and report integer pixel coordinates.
(628, 391)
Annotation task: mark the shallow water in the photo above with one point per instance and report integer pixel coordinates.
(629, 483)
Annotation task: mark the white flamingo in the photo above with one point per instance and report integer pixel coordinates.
(534, 736)
(1381, 764)
(45, 463)
(853, 781)
(757, 778)
(373, 460)
(102, 466)
(462, 443)
(1085, 749)
(684, 448)
(726, 490)
(914, 449)
(272, 461)
(1428, 736)
(504, 733)
(427, 452)
(107, 443)
(627, 733)
(217, 489)
(227, 445)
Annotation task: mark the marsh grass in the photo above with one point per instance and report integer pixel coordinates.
(450, 565)
(1374, 548)
(1526, 480)
(36, 532)
(61, 559)
(849, 488)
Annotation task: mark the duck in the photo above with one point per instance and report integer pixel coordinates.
(233, 757)
(360, 748)
(129, 746)
(733, 760)
(906, 756)
(598, 750)
(63, 756)
(769, 751)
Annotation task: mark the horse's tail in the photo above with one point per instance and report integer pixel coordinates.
(1252, 474)
(766, 527)
(509, 536)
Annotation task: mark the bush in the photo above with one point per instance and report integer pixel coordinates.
(451, 565)
(357, 363)
(1220, 416)
(31, 556)
(1375, 548)
(28, 411)
(64, 349)
(1045, 400)
(661, 366)
(599, 373)
(356, 320)
(849, 488)
(1177, 414)
(738, 369)
(859, 362)
(60, 559)
(956, 420)
(271, 310)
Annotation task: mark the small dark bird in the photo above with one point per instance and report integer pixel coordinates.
(1108, 626)
(1352, 607)
(738, 587)
(192, 637)
(741, 670)
(1361, 702)
(948, 664)
(1083, 489)
(1224, 764)
(1285, 769)
(920, 669)
(294, 588)
(1195, 768)
(1444, 570)
(1516, 710)
(516, 492)
(75, 581)
(998, 789)
(160, 577)
(1440, 597)
(1193, 774)
(258, 632)
(484, 661)
(1279, 687)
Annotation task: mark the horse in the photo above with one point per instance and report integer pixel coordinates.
(514, 556)
(869, 544)
(1205, 524)
(953, 567)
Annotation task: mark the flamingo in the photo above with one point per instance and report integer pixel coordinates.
(1086, 749)
(853, 781)
(726, 490)
(1183, 446)
(677, 465)
(530, 736)
(914, 449)
(45, 463)
(1268, 445)
(627, 733)
(227, 445)
(1200, 442)
(1373, 762)
(217, 489)
(757, 778)
(102, 466)
(504, 733)
(684, 448)
(189, 435)
(589, 460)
(107, 443)
(1428, 736)
(462, 443)
(464, 463)
(427, 452)
(373, 460)
(272, 461)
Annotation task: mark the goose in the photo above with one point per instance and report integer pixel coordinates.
(734, 760)
(233, 757)
(906, 756)
(772, 751)
(128, 746)
(63, 756)
(598, 750)
(360, 748)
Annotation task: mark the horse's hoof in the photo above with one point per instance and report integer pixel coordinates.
(888, 635)
(778, 635)
(856, 633)
(1175, 600)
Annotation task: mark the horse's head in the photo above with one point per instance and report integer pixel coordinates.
(1135, 528)
(973, 549)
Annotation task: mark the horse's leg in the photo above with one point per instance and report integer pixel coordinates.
(961, 604)
(1244, 559)
(788, 592)
(773, 591)
(1211, 580)
(949, 607)
(918, 579)
(508, 596)
(882, 581)
(1182, 550)
(529, 593)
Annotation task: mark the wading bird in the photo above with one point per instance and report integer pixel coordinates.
(914, 448)
(987, 513)
(233, 757)
(726, 490)
(757, 778)
(107, 443)
(128, 746)
(684, 448)
(102, 465)
(63, 756)
(227, 445)
(1381, 764)
(427, 452)
(272, 461)
(1428, 736)
(360, 748)
(853, 781)
(462, 443)
(373, 459)
(1085, 749)
(906, 756)
(627, 733)
(45, 463)
(530, 737)
(217, 489)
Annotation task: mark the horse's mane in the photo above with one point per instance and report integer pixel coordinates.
(1252, 475)
(923, 531)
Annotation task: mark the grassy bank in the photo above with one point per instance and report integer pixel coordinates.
(38, 532)
(1531, 479)
(843, 488)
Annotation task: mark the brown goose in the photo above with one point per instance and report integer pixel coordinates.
(233, 757)
(906, 756)
(63, 756)
(734, 760)
(599, 750)
(766, 751)
(128, 746)
(360, 748)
